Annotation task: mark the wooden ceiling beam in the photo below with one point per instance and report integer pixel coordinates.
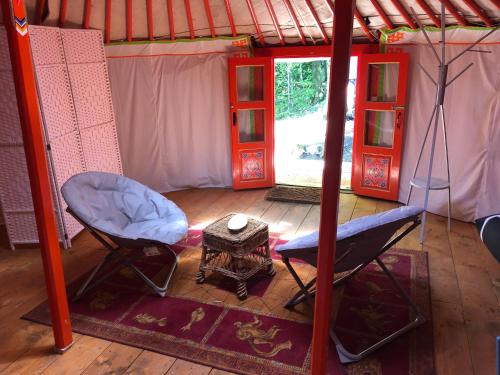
(256, 23)
(364, 26)
(107, 22)
(275, 21)
(430, 13)
(230, 17)
(128, 16)
(403, 12)
(40, 5)
(295, 21)
(149, 9)
(453, 10)
(210, 18)
(478, 11)
(171, 22)
(86, 14)
(62, 12)
(317, 21)
(189, 17)
(382, 14)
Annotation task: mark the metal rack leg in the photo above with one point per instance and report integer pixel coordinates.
(447, 165)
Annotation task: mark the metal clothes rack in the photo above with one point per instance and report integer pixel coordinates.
(428, 182)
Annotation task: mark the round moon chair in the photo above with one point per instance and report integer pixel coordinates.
(123, 214)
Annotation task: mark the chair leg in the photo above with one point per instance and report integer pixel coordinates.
(304, 292)
(348, 357)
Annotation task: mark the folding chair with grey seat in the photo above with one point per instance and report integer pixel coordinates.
(359, 242)
(123, 214)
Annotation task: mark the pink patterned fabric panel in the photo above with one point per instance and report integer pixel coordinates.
(252, 165)
(100, 149)
(22, 227)
(57, 104)
(14, 182)
(83, 46)
(4, 51)
(91, 94)
(10, 127)
(46, 45)
(376, 171)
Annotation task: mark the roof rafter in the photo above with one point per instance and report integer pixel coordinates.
(275, 21)
(430, 13)
(256, 23)
(107, 27)
(171, 23)
(295, 21)
(209, 18)
(40, 5)
(86, 14)
(129, 20)
(62, 12)
(478, 11)
(149, 6)
(317, 21)
(382, 14)
(364, 27)
(453, 10)
(230, 17)
(189, 17)
(401, 9)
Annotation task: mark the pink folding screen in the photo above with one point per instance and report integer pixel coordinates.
(77, 113)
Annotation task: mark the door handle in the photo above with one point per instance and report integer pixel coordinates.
(398, 119)
(234, 118)
(398, 107)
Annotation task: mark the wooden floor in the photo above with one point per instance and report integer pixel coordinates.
(465, 287)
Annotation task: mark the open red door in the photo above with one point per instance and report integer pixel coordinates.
(251, 95)
(379, 124)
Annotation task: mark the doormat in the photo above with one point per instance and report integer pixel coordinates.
(307, 195)
(196, 323)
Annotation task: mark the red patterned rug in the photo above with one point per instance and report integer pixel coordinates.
(186, 324)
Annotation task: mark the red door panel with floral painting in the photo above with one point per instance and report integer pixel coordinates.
(251, 95)
(379, 124)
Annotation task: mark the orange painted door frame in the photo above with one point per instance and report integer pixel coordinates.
(251, 96)
(379, 124)
(16, 24)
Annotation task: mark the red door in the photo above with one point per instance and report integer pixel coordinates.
(379, 124)
(251, 95)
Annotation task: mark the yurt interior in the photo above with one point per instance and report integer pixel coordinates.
(250, 187)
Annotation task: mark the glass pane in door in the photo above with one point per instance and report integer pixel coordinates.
(250, 83)
(379, 128)
(382, 82)
(251, 125)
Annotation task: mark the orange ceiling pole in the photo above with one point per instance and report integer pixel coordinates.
(364, 27)
(401, 9)
(62, 12)
(230, 17)
(256, 23)
(129, 20)
(382, 14)
(275, 21)
(317, 21)
(478, 11)
(189, 18)
(295, 21)
(171, 24)
(430, 13)
(496, 2)
(210, 18)
(86, 14)
(149, 9)
(39, 11)
(36, 160)
(453, 10)
(337, 104)
(107, 21)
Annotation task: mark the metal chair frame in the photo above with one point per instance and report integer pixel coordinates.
(114, 252)
(307, 291)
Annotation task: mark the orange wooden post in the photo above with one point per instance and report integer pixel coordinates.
(27, 100)
(341, 54)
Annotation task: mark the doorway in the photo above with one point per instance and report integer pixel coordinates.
(301, 103)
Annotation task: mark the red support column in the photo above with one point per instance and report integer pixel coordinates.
(34, 147)
(339, 73)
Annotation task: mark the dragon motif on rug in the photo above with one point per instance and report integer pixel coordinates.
(254, 335)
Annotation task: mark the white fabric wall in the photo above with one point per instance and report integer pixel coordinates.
(172, 113)
(472, 109)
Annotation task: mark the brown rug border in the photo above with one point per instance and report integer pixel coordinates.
(115, 332)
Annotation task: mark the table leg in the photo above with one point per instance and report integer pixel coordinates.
(270, 269)
(241, 290)
(200, 276)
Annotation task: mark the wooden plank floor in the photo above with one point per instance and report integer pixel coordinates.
(465, 288)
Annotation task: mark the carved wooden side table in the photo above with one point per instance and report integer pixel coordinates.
(239, 255)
